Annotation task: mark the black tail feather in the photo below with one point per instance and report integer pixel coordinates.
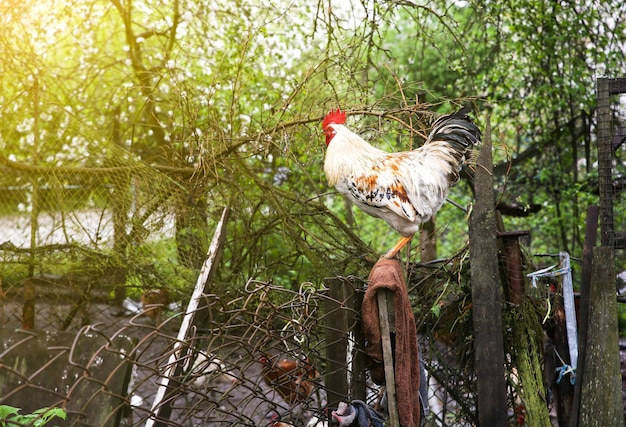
(460, 132)
(458, 129)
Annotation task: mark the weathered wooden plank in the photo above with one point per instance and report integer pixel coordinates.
(28, 310)
(336, 324)
(605, 161)
(386, 315)
(513, 263)
(591, 235)
(342, 323)
(601, 388)
(358, 387)
(486, 295)
(161, 407)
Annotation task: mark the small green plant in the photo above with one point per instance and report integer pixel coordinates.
(10, 416)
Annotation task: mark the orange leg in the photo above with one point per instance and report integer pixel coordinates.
(397, 248)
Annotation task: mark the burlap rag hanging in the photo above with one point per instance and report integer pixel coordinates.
(388, 274)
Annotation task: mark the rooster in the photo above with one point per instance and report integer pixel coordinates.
(405, 188)
(292, 379)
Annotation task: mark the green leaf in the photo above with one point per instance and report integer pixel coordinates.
(10, 415)
(6, 411)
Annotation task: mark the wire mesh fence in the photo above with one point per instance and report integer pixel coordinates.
(254, 361)
(89, 329)
(90, 322)
(267, 355)
(77, 288)
(97, 263)
(611, 95)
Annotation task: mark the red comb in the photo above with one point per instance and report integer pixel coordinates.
(337, 117)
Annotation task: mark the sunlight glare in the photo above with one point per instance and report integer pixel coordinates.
(34, 19)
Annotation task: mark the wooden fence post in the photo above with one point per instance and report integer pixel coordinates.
(591, 234)
(601, 388)
(341, 319)
(336, 378)
(486, 295)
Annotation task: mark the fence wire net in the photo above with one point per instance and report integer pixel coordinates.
(90, 323)
(231, 370)
(612, 173)
(90, 315)
(619, 171)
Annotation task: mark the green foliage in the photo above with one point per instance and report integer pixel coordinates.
(532, 65)
(226, 98)
(155, 264)
(10, 416)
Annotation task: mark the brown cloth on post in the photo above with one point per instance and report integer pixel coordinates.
(388, 274)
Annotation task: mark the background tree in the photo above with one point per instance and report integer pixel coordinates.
(533, 64)
(225, 100)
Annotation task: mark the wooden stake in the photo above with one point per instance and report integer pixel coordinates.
(161, 407)
(386, 314)
(487, 296)
(601, 388)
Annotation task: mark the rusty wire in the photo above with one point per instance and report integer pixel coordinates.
(119, 358)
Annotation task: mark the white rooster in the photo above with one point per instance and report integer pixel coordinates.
(405, 188)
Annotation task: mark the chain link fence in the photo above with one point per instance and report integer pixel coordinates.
(268, 354)
(98, 262)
